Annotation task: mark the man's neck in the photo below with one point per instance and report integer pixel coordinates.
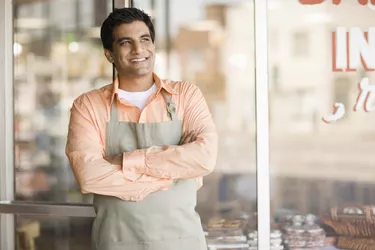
(135, 84)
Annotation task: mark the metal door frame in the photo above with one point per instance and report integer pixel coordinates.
(9, 207)
(6, 126)
(262, 124)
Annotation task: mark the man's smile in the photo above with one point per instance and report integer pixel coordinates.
(139, 59)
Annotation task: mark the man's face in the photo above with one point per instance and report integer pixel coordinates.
(133, 51)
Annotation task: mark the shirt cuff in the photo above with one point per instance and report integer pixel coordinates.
(134, 164)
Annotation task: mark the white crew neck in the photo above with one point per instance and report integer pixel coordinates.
(138, 99)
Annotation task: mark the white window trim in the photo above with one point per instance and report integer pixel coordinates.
(6, 125)
(262, 124)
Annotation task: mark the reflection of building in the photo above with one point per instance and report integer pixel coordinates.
(199, 46)
(300, 65)
(58, 56)
(216, 55)
(332, 161)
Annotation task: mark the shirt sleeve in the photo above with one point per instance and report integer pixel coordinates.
(86, 152)
(192, 160)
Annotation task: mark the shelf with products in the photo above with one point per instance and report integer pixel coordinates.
(302, 232)
(229, 232)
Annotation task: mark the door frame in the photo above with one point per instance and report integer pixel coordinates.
(262, 124)
(6, 126)
(9, 207)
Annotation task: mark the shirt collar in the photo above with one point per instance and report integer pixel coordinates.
(160, 84)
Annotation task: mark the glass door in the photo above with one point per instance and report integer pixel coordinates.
(212, 44)
(53, 53)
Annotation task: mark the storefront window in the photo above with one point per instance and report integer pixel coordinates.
(57, 56)
(317, 163)
(205, 42)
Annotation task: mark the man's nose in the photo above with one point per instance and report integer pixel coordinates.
(137, 47)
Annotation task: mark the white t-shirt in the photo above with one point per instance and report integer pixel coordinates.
(138, 99)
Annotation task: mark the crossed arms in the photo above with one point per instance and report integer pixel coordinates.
(125, 175)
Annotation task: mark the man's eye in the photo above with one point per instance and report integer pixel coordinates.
(145, 40)
(125, 43)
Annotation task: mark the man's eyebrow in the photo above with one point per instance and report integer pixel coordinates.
(121, 39)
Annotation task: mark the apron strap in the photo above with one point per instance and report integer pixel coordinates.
(114, 112)
(171, 107)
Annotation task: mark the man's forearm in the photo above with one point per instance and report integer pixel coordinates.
(187, 161)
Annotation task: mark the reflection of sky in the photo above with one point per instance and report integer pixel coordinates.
(182, 12)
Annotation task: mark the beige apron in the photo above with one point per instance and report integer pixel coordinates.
(164, 220)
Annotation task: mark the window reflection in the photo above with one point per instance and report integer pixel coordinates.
(316, 166)
(210, 46)
(57, 56)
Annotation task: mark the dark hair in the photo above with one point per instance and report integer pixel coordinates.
(120, 16)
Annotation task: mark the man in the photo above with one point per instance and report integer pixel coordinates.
(141, 145)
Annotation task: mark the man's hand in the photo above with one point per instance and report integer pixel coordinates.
(188, 137)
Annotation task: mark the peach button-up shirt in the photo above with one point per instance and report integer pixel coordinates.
(138, 173)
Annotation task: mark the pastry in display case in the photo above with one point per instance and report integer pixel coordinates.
(353, 226)
(238, 232)
(304, 233)
(275, 240)
(225, 233)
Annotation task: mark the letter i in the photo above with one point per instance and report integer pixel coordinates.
(339, 49)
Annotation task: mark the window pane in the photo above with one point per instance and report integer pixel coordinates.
(315, 165)
(205, 42)
(57, 56)
(60, 233)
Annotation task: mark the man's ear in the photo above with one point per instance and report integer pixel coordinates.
(109, 55)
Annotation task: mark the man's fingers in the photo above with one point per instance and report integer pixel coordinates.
(188, 137)
(191, 137)
(183, 137)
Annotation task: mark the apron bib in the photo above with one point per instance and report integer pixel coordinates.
(164, 220)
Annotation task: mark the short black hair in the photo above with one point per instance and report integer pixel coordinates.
(120, 16)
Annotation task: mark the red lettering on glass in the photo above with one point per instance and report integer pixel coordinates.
(310, 2)
(366, 97)
(353, 49)
(336, 2)
(365, 2)
(364, 101)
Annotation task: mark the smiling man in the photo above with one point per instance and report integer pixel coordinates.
(141, 145)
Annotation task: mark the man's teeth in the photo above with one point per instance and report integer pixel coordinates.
(139, 60)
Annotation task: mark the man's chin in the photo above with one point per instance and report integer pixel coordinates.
(137, 73)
